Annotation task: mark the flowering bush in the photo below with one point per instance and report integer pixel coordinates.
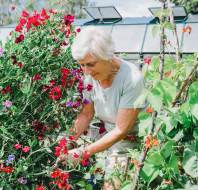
(40, 95)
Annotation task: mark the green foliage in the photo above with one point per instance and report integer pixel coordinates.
(191, 6)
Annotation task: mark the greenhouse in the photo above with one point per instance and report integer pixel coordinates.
(98, 102)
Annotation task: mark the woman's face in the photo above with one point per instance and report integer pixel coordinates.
(96, 68)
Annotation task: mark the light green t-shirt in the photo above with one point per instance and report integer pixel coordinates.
(127, 86)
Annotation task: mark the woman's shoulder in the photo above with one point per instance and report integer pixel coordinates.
(130, 72)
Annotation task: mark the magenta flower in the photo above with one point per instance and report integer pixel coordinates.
(1, 52)
(7, 104)
(26, 149)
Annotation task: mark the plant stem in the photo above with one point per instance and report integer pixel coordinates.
(178, 54)
(186, 83)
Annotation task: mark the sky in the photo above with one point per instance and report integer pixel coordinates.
(130, 8)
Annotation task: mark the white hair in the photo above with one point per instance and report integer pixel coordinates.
(95, 41)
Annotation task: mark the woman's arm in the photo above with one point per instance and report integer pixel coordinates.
(84, 118)
(126, 119)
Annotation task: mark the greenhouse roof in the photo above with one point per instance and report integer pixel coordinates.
(136, 34)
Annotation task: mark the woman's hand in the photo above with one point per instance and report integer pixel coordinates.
(73, 158)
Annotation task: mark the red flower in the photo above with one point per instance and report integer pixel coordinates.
(78, 30)
(68, 19)
(40, 187)
(55, 93)
(6, 169)
(147, 60)
(62, 142)
(44, 15)
(149, 110)
(57, 151)
(17, 146)
(188, 29)
(86, 155)
(56, 173)
(52, 82)
(22, 21)
(6, 90)
(20, 38)
(52, 11)
(36, 77)
(76, 155)
(64, 71)
(84, 163)
(26, 149)
(20, 65)
(71, 138)
(19, 28)
(24, 13)
(102, 130)
(89, 87)
(151, 141)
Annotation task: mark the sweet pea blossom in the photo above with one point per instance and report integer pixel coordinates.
(17, 146)
(10, 159)
(7, 104)
(1, 51)
(22, 180)
(26, 149)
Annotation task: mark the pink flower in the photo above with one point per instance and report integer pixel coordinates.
(68, 19)
(62, 142)
(1, 52)
(17, 146)
(26, 149)
(24, 13)
(78, 30)
(36, 77)
(76, 155)
(7, 104)
(147, 60)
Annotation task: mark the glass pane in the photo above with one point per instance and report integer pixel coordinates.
(103, 12)
(4, 33)
(152, 40)
(93, 12)
(179, 11)
(128, 38)
(190, 40)
(109, 12)
(103, 27)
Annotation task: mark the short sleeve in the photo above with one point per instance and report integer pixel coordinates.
(132, 90)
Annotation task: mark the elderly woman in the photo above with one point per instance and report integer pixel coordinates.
(117, 84)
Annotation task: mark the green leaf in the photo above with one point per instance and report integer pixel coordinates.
(81, 184)
(194, 111)
(126, 186)
(144, 126)
(155, 99)
(89, 187)
(195, 133)
(167, 121)
(149, 172)
(173, 164)
(190, 161)
(156, 159)
(167, 149)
